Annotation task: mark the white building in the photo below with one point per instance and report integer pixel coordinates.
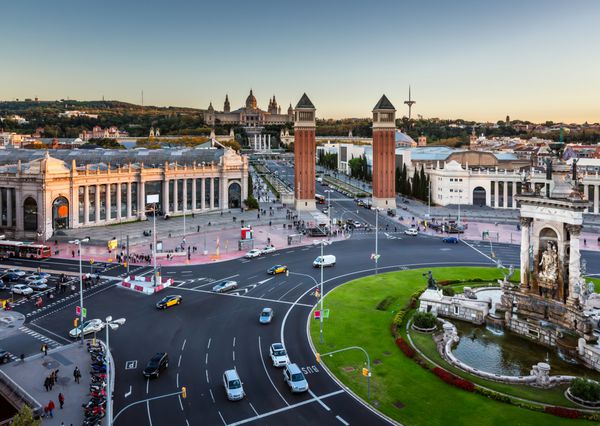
(72, 114)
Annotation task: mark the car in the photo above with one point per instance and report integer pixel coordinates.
(268, 249)
(168, 301)
(4, 356)
(320, 179)
(368, 206)
(360, 203)
(316, 232)
(224, 286)
(22, 289)
(391, 212)
(277, 269)
(158, 362)
(89, 326)
(279, 355)
(38, 285)
(266, 316)
(16, 271)
(253, 253)
(38, 275)
(412, 232)
(326, 260)
(294, 378)
(36, 278)
(450, 240)
(234, 388)
(11, 277)
(326, 210)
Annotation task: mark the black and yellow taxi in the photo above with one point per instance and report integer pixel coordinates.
(277, 269)
(167, 302)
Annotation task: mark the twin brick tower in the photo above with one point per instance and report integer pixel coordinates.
(384, 154)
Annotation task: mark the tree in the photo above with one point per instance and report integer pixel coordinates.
(25, 418)
(250, 185)
(251, 203)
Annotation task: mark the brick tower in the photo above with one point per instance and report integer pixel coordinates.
(384, 154)
(304, 154)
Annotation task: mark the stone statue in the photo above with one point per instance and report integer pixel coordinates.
(549, 263)
(431, 284)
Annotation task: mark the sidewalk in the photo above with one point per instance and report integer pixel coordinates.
(30, 377)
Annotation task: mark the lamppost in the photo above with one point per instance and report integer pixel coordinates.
(114, 324)
(368, 372)
(78, 243)
(153, 199)
(376, 255)
(329, 191)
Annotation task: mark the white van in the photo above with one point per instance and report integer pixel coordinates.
(327, 260)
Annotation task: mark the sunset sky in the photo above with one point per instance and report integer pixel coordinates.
(481, 60)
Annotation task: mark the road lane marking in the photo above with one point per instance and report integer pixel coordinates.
(149, 416)
(253, 409)
(234, 342)
(179, 362)
(344, 422)
(183, 346)
(177, 380)
(233, 356)
(248, 297)
(262, 358)
(180, 403)
(221, 416)
(208, 346)
(311, 393)
(212, 396)
(281, 410)
(206, 359)
(130, 391)
(207, 381)
(147, 385)
(289, 291)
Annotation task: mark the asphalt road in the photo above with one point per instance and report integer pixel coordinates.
(210, 333)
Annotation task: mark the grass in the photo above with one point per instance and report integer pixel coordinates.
(399, 387)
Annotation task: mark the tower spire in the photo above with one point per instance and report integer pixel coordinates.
(409, 102)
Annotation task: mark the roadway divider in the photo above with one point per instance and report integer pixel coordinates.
(145, 284)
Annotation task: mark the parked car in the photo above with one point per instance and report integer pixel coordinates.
(268, 249)
(4, 356)
(158, 362)
(391, 212)
(10, 277)
(166, 302)
(294, 378)
(412, 232)
(450, 240)
(326, 260)
(279, 355)
(253, 253)
(277, 269)
(22, 289)
(224, 286)
(234, 388)
(38, 285)
(266, 316)
(35, 278)
(89, 326)
(16, 271)
(44, 275)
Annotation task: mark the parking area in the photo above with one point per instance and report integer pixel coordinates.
(18, 286)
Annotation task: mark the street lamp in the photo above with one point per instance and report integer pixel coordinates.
(329, 191)
(376, 255)
(78, 243)
(114, 324)
(153, 199)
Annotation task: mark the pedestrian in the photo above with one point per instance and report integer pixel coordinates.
(51, 381)
(47, 384)
(76, 374)
(51, 407)
(45, 349)
(61, 400)
(73, 253)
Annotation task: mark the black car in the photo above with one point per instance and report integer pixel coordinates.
(159, 362)
(4, 356)
(11, 277)
(169, 301)
(391, 212)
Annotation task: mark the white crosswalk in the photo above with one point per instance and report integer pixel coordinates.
(51, 343)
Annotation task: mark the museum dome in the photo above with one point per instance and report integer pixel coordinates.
(251, 101)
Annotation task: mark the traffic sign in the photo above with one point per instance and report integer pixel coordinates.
(85, 312)
(317, 314)
(77, 310)
(366, 372)
(325, 313)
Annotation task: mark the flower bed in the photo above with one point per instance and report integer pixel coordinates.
(454, 380)
(405, 347)
(563, 412)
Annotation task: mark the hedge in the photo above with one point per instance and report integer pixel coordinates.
(454, 380)
(405, 347)
(567, 413)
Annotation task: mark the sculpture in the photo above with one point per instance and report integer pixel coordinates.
(549, 263)
(431, 284)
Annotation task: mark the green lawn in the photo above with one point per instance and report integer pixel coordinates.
(399, 387)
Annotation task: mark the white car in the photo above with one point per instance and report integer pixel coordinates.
(253, 253)
(90, 326)
(38, 284)
(17, 272)
(36, 279)
(268, 249)
(22, 289)
(412, 231)
(279, 355)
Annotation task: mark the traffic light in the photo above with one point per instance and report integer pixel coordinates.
(365, 372)
(183, 392)
(318, 356)
(75, 322)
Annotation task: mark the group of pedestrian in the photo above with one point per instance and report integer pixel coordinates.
(51, 380)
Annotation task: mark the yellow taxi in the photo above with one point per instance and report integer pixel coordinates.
(167, 302)
(277, 269)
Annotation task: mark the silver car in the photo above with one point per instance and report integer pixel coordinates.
(266, 316)
(234, 388)
(223, 286)
(294, 378)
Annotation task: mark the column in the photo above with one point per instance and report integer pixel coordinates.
(574, 259)
(184, 205)
(97, 218)
(175, 195)
(86, 206)
(203, 189)
(586, 193)
(525, 225)
(1, 200)
(255, 143)
(118, 201)
(165, 197)
(108, 199)
(128, 199)
(505, 194)
(596, 199)
(212, 193)
(496, 194)
(142, 199)
(269, 145)
(194, 193)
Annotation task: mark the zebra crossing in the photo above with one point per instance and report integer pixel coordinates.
(44, 339)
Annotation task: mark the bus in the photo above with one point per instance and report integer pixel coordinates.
(320, 199)
(21, 249)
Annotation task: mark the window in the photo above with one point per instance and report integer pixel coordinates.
(198, 194)
(179, 194)
(81, 203)
(134, 198)
(102, 202)
(189, 194)
(216, 189)
(92, 203)
(123, 200)
(207, 193)
(171, 195)
(456, 309)
(113, 200)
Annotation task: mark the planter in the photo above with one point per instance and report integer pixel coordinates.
(581, 402)
(423, 330)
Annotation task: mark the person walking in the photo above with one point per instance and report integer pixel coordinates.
(51, 408)
(51, 380)
(47, 384)
(61, 400)
(45, 349)
(76, 374)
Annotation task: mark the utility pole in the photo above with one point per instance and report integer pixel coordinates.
(127, 254)
(376, 239)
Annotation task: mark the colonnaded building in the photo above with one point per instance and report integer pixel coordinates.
(45, 191)
(250, 115)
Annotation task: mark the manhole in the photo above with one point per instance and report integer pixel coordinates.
(10, 326)
(348, 369)
(377, 362)
(387, 353)
(50, 364)
(398, 405)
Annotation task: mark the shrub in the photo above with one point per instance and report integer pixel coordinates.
(585, 389)
(454, 380)
(567, 413)
(251, 202)
(405, 347)
(399, 318)
(385, 303)
(424, 320)
(493, 395)
(448, 291)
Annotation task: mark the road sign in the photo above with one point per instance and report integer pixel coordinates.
(77, 310)
(325, 313)
(366, 372)
(317, 294)
(317, 314)
(85, 312)
(375, 256)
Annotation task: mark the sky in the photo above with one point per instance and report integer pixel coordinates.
(478, 60)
